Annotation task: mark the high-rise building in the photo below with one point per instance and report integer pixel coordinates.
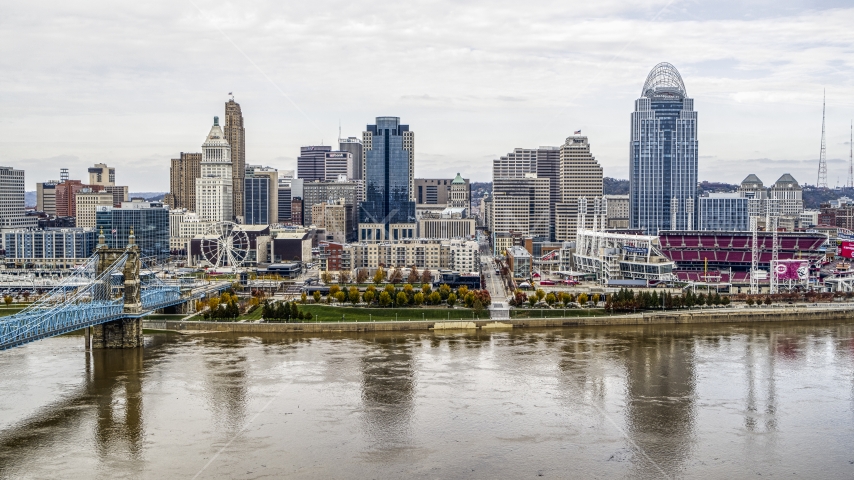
(105, 176)
(543, 161)
(315, 193)
(617, 211)
(12, 199)
(519, 206)
(214, 188)
(438, 192)
(86, 203)
(235, 135)
(353, 146)
(149, 222)
(580, 177)
(261, 195)
(549, 166)
(311, 163)
(66, 193)
(516, 164)
(46, 197)
(182, 180)
(388, 169)
(296, 210)
(337, 164)
(663, 154)
(726, 212)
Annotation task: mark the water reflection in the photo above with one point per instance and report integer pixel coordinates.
(388, 391)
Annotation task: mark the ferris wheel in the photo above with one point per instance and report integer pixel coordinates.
(225, 244)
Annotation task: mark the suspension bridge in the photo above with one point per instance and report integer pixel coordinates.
(106, 295)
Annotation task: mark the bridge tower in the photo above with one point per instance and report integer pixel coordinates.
(126, 332)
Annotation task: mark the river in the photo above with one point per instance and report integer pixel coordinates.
(716, 401)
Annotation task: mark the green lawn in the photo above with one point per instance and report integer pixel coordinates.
(558, 312)
(252, 316)
(6, 311)
(325, 313)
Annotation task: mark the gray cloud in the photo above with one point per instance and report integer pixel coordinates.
(134, 84)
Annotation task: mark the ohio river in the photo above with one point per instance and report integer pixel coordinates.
(718, 401)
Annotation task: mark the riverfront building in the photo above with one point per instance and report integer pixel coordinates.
(388, 169)
(580, 178)
(51, 248)
(148, 220)
(663, 154)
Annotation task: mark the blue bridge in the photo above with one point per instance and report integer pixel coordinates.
(106, 293)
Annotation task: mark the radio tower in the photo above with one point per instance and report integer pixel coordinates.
(822, 158)
(851, 158)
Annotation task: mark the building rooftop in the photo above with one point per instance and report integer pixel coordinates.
(664, 81)
(752, 178)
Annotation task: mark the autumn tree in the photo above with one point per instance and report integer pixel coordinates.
(361, 275)
(343, 277)
(379, 276)
(401, 299)
(452, 299)
(426, 276)
(326, 277)
(385, 298)
(369, 296)
(550, 299)
(413, 276)
(418, 298)
(582, 298)
(396, 276)
(316, 296)
(353, 295)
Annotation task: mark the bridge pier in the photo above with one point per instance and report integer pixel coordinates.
(126, 332)
(87, 339)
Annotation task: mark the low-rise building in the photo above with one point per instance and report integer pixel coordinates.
(50, 248)
(87, 202)
(519, 262)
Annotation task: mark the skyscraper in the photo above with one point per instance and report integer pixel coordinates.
(12, 199)
(388, 173)
(353, 146)
(580, 177)
(311, 163)
(261, 195)
(236, 138)
(182, 181)
(663, 159)
(214, 187)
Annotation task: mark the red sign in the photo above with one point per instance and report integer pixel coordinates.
(792, 270)
(846, 249)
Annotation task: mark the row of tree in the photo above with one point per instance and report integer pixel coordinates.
(520, 298)
(395, 276)
(408, 295)
(627, 300)
(283, 311)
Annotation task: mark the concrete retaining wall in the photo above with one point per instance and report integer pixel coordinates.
(651, 318)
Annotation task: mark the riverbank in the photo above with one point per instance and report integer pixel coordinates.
(736, 315)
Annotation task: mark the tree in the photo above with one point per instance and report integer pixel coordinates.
(749, 302)
(334, 289)
(326, 277)
(452, 299)
(401, 299)
(767, 300)
(725, 300)
(541, 294)
(426, 276)
(7, 299)
(307, 316)
(295, 311)
(462, 291)
(478, 306)
(413, 276)
(435, 298)
(26, 295)
(303, 297)
(396, 276)
(361, 275)
(385, 299)
(444, 291)
(379, 276)
(316, 296)
(425, 289)
(343, 277)
(532, 300)
(418, 298)
(582, 299)
(391, 290)
(368, 296)
(469, 299)
(353, 295)
(596, 298)
(550, 299)
(340, 297)
(565, 298)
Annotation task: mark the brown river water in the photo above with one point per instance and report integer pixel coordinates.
(701, 401)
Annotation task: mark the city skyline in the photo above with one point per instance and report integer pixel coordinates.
(759, 112)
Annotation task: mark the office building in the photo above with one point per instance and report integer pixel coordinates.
(87, 202)
(784, 198)
(66, 193)
(519, 262)
(516, 164)
(789, 196)
(182, 180)
(296, 211)
(214, 194)
(148, 220)
(315, 193)
(437, 192)
(336, 218)
(388, 174)
(452, 222)
(311, 163)
(46, 197)
(663, 154)
(544, 162)
(617, 211)
(353, 146)
(12, 199)
(235, 136)
(519, 206)
(337, 164)
(725, 212)
(261, 192)
(50, 248)
(580, 178)
(105, 176)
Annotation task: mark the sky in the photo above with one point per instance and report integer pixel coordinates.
(132, 84)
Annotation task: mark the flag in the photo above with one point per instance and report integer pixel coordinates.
(114, 231)
(577, 132)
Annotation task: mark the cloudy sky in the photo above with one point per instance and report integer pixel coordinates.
(132, 84)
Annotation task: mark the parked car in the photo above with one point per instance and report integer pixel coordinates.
(546, 282)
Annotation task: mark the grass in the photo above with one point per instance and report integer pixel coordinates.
(251, 316)
(164, 316)
(325, 313)
(558, 312)
(11, 310)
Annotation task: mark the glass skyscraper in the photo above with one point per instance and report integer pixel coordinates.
(663, 163)
(149, 221)
(388, 173)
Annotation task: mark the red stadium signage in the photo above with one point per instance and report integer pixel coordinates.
(846, 249)
(792, 270)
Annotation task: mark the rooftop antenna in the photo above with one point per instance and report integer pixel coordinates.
(63, 175)
(851, 158)
(339, 130)
(822, 158)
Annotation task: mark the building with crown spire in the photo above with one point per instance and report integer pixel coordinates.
(663, 155)
(235, 135)
(215, 186)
